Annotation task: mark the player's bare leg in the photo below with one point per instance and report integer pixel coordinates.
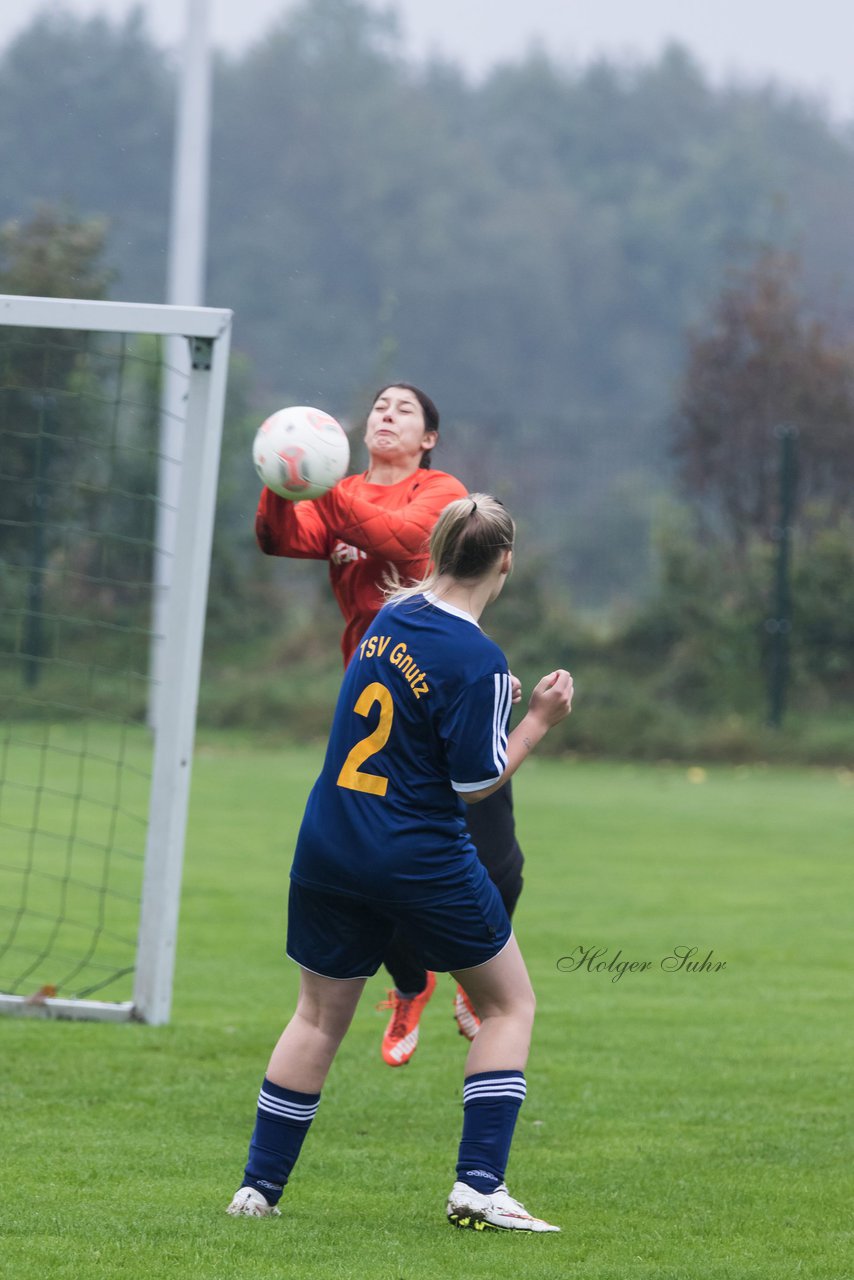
(305, 1049)
(502, 994)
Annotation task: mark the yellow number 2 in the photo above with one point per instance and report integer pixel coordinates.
(350, 776)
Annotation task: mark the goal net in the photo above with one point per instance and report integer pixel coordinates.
(110, 426)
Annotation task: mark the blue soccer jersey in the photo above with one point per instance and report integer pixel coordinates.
(421, 717)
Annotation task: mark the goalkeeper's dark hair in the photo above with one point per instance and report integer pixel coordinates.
(428, 408)
(466, 541)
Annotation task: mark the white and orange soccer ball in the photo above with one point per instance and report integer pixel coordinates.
(300, 452)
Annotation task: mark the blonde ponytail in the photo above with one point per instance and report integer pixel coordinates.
(467, 539)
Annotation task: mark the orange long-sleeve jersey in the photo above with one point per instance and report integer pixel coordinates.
(361, 529)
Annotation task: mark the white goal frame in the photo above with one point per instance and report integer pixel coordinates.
(208, 333)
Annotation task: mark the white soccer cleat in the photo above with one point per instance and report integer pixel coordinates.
(249, 1203)
(497, 1211)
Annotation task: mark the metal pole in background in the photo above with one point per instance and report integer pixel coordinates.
(780, 625)
(185, 286)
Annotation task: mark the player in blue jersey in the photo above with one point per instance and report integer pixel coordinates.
(368, 526)
(420, 724)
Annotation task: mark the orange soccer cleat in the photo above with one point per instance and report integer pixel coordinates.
(401, 1035)
(466, 1018)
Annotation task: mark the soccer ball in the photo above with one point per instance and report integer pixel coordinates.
(300, 452)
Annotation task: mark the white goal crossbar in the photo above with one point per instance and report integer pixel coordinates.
(207, 332)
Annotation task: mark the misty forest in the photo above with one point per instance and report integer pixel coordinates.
(623, 285)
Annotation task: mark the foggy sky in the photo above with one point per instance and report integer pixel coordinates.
(803, 46)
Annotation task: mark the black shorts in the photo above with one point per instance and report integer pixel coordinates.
(492, 828)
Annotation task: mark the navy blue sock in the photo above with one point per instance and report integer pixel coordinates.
(282, 1122)
(491, 1102)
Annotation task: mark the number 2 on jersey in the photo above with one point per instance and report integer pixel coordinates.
(351, 776)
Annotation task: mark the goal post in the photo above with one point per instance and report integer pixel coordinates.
(93, 803)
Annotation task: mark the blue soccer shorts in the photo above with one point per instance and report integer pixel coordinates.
(338, 935)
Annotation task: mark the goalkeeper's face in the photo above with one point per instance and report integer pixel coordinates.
(396, 430)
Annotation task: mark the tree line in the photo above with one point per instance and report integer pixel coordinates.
(618, 282)
(530, 248)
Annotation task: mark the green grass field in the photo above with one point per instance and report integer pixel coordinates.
(679, 1125)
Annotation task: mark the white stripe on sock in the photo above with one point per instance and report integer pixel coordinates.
(504, 1087)
(300, 1111)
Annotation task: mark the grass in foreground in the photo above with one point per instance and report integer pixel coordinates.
(678, 1125)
